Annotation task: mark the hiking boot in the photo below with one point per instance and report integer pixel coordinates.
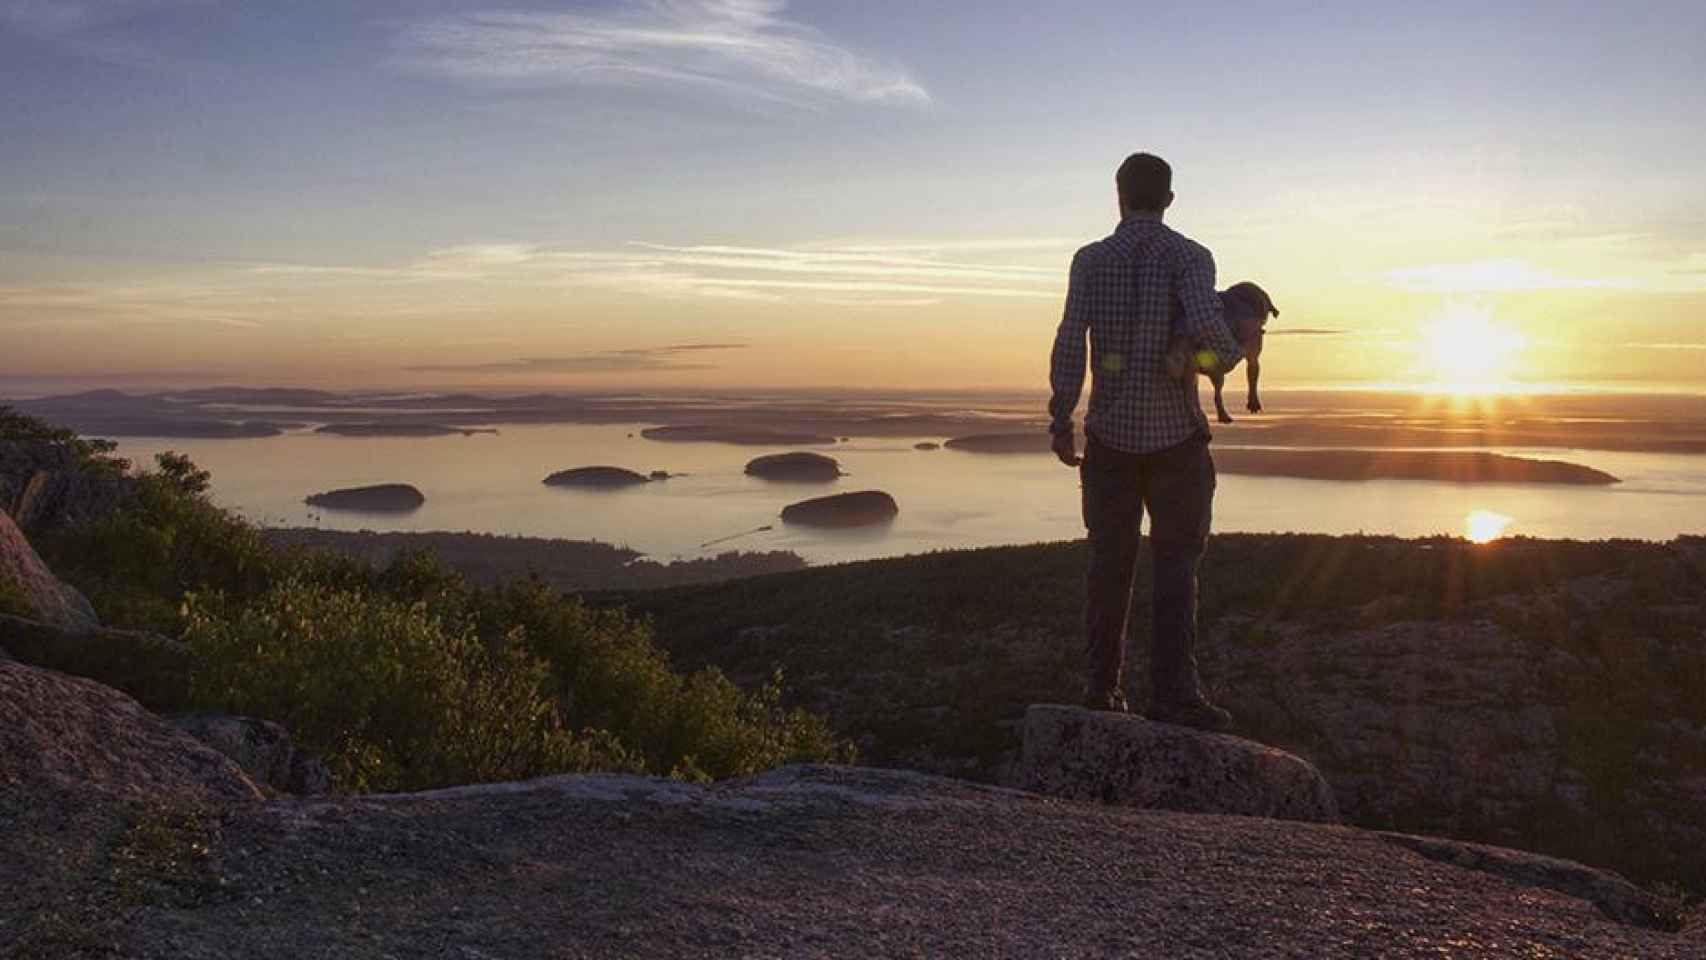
(1110, 701)
(1200, 715)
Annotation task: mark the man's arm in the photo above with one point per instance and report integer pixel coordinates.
(1217, 351)
(1067, 361)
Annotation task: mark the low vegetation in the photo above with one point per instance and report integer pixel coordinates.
(402, 675)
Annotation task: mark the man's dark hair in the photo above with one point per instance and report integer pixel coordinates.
(1145, 181)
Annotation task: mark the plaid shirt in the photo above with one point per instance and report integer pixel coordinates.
(1128, 291)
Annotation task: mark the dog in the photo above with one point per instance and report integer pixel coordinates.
(1246, 308)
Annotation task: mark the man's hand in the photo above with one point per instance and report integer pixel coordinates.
(1066, 448)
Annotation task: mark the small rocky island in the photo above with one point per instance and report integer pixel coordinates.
(598, 477)
(393, 428)
(861, 509)
(795, 468)
(379, 498)
(742, 435)
(926, 445)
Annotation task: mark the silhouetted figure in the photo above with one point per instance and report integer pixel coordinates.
(1146, 438)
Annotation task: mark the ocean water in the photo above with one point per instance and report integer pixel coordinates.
(948, 499)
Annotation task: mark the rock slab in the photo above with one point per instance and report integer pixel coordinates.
(26, 582)
(1125, 760)
(59, 732)
(262, 749)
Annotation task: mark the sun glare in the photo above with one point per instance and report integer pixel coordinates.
(1469, 352)
(1485, 526)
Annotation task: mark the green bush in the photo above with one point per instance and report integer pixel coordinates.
(609, 674)
(392, 696)
(165, 540)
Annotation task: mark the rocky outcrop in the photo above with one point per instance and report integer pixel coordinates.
(809, 862)
(1128, 761)
(378, 498)
(860, 509)
(598, 477)
(28, 589)
(63, 733)
(262, 749)
(795, 468)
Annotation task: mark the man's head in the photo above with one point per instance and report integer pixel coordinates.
(1145, 183)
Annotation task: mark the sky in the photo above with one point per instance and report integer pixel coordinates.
(757, 193)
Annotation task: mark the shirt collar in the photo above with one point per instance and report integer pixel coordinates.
(1139, 217)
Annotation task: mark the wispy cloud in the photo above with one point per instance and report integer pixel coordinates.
(649, 359)
(1306, 332)
(715, 271)
(1494, 276)
(92, 28)
(742, 48)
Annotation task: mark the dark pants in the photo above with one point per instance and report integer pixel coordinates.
(1176, 486)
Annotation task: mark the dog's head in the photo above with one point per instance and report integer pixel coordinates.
(1255, 298)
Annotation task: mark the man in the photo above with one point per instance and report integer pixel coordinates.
(1146, 438)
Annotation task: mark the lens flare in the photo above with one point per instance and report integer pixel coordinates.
(1485, 526)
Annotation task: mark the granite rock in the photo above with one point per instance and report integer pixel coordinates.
(27, 582)
(1126, 760)
(262, 749)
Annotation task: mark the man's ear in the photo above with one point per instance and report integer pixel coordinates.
(1169, 202)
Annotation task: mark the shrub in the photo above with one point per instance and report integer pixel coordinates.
(166, 539)
(392, 696)
(609, 674)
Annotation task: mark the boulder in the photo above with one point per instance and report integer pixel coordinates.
(60, 733)
(379, 498)
(860, 509)
(1126, 760)
(603, 477)
(795, 467)
(262, 749)
(28, 589)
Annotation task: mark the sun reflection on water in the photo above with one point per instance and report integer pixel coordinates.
(1484, 526)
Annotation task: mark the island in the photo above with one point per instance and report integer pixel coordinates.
(378, 498)
(795, 468)
(1344, 464)
(597, 477)
(1035, 441)
(743, 435)
(1448, 466)
(384, 428)
(926, 445)
(861, 509)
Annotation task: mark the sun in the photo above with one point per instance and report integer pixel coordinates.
(1485, 526)
(1468, 351)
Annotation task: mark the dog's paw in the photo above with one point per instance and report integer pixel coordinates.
(1253, 405)
(1224, 417)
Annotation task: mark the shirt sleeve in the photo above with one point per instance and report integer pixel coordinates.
(1067, 361)
(1202, 314)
